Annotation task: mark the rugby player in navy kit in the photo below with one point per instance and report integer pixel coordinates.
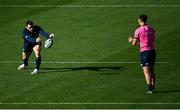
(32, 42)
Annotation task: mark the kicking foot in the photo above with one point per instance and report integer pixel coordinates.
(22, 66)
(35, 71)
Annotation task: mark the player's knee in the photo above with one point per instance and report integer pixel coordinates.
(37, 48)
(38, 55)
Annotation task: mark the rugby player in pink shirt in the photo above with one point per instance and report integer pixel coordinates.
(145, 35)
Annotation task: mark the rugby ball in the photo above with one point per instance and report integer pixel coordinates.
(48, 43)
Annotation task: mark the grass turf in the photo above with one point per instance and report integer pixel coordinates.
(89, 34)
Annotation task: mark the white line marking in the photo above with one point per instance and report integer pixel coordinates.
(58, 62)
(82, 6)
(86, 103)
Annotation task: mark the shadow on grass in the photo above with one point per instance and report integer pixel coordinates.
(168, 91)
(104, 70)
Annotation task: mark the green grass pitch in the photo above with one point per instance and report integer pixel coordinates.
(89, 34)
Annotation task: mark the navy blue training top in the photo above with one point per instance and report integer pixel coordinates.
(30, 37)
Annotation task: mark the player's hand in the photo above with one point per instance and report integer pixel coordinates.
(38, 40)
(51, 35)
(130, 39)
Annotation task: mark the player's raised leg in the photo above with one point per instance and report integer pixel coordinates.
(37, 52)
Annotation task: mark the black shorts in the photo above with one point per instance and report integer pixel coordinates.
(28, 47)
(148, 58)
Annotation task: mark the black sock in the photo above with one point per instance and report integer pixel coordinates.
(149, 87)
(38, 62)
(153, 87)
(25, 61)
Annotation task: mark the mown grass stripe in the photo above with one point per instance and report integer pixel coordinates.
(82, 6)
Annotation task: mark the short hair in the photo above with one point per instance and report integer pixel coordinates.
(29, 22)
(143, 18)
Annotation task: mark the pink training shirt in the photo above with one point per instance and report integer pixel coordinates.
(145, 34)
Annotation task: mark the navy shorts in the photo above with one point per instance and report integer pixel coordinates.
(28, 47)
(148, 58)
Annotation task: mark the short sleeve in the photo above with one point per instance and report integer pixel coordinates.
(136, 34)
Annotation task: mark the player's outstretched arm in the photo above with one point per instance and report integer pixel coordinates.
(44, 34)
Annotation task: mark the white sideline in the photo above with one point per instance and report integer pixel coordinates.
(82, 6)
(86, 103)
(58, 62)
